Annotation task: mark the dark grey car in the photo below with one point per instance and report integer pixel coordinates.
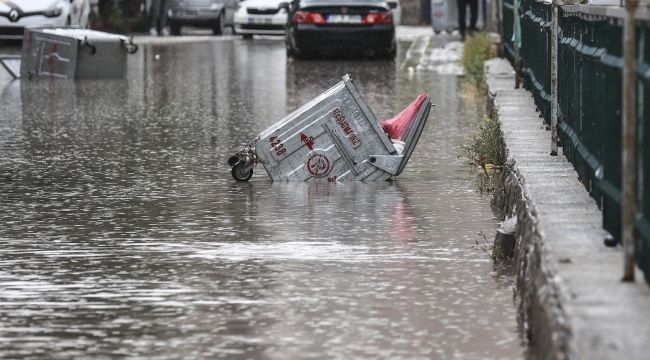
(215, 14)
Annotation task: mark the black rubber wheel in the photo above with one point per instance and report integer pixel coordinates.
(217, 28)
(175, 29)
(237, 173)
(247, 36)
(290, 51)
(233, 160)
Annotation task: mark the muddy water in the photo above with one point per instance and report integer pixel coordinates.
(123, 233)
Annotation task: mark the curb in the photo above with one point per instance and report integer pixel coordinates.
(5, 78)
(571, 302)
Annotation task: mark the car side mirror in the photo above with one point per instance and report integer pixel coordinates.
(392, 5)
(284, 5)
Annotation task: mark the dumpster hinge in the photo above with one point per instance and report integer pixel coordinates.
(388, 163)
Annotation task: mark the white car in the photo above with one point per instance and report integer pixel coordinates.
(16, 14)
(260, 17)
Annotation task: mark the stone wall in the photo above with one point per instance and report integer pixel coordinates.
(568, 289)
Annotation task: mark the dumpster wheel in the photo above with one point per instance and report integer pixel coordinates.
(238, 174)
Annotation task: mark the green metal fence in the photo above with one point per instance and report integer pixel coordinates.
(536, 72)
(642, 246)
(590, 83)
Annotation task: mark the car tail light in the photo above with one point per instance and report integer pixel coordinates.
(378, 18)
(302, 17)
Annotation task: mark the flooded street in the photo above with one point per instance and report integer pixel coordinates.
(124, 234)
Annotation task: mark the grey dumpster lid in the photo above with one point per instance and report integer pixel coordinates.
(82, 34)
(413, 133)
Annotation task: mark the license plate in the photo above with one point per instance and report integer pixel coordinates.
(184, 13)
(259, 21)
(344, 19)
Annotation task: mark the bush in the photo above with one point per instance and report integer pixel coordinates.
(477, 49)
(485, 145)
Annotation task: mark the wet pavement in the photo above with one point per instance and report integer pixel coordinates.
(124, 234)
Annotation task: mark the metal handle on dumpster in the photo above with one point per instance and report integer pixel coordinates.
(343, 146)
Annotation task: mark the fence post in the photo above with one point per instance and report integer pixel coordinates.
(554, 35)
(501, 50)
(515, 28)
(628, 205)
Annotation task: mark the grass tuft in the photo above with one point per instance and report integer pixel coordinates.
(476, 51)
(484, 147)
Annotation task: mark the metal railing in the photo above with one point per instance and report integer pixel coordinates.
(600, 126)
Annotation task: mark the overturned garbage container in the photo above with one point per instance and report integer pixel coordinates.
(73, 53)
(334, 137)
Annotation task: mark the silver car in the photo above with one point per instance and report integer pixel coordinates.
(215, 14)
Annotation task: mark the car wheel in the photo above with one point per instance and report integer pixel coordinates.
(247, 36)
(175, 29)
(291, 52)
(218, 26)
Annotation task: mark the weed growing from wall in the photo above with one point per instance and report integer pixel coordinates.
(484, 149)
(476, 51)
(494, 252)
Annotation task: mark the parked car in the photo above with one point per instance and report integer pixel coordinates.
(214, 14)
(260, 17)
(16, 14)
(340, 27)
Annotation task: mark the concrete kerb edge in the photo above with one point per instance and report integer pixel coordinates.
(5, 79)
(537, 294)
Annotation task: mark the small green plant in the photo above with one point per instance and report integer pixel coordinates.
(484, 147)
(495, 253)
(476, 51)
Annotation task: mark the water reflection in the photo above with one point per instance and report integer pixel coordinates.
(124, 234)
(307, 79)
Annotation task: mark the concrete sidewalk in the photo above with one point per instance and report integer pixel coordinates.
(568, 289)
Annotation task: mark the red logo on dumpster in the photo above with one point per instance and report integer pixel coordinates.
(318, 165)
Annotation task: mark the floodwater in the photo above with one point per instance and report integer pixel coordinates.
(123, 233)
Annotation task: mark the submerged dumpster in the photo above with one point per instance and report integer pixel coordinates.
(444, 15)
(334, 137)
(72, 53)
